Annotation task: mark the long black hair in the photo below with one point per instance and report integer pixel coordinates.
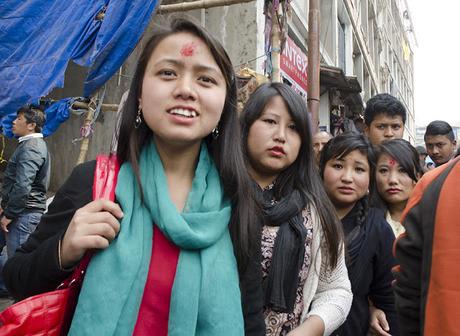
(407, 157)
(225, 150)
(341, 146)
(302, 174)
(405, 154)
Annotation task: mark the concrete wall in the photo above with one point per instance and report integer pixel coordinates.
(64, 151)
(236, 27)
(324, 111)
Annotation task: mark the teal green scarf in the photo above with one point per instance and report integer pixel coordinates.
(205, 298)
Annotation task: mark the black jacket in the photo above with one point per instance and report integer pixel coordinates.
(26, 178)
(34, 268)
(371, 275)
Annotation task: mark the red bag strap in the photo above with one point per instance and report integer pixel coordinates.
(105, 177)
(104, 184)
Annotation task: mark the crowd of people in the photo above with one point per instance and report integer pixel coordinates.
(228, 224)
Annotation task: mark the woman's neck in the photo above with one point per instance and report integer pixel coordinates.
(263, 180)
(342, 211)
(396, 210)
(179, 163)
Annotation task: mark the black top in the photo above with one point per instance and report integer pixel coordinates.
(370, 274)
(34, 268)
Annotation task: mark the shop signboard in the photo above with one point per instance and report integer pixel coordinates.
(294, 66)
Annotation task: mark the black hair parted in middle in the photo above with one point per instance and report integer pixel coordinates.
(302, 174)
(345, 143)
(341, 146)
(405, 154)
(226, 150)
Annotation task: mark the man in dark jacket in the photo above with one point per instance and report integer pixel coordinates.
(25, 181)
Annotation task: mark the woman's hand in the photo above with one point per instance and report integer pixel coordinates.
(93, 226)
(312, 326)
(378, 324)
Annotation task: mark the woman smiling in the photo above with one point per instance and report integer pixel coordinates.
(164, 261)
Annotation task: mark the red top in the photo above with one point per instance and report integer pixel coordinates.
(154, 310)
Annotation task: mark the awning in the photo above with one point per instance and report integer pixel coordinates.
(333, 77)
(348, 86)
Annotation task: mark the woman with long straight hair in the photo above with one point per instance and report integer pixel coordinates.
(398, 170)
(165, 262)
(300, 268)
(347, 166)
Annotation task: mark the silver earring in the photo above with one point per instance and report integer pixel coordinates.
(215, 133)
(138, 120)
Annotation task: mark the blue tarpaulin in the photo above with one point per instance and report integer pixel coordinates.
(56, 114)
(39, 37)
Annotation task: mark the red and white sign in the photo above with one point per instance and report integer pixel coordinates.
(294, 64)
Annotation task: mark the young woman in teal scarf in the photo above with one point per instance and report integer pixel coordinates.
(165, 263)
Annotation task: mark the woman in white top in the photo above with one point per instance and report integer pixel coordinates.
(398, 170)
(301, 274)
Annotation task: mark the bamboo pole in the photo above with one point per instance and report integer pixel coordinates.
(109, 107)
(313, 63)
(85, 142)
(200, 4)
(276, 49)
(104, 107)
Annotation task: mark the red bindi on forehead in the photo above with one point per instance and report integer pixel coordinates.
(188, 49)
(392, 162)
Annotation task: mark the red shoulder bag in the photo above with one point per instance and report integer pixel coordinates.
(51, 313)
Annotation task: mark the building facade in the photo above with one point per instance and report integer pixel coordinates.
(372, 41)
(366, 48)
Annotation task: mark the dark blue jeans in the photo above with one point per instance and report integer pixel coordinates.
(19, 230)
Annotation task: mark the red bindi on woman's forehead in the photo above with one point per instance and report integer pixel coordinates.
(392, 162)
(188, 49)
